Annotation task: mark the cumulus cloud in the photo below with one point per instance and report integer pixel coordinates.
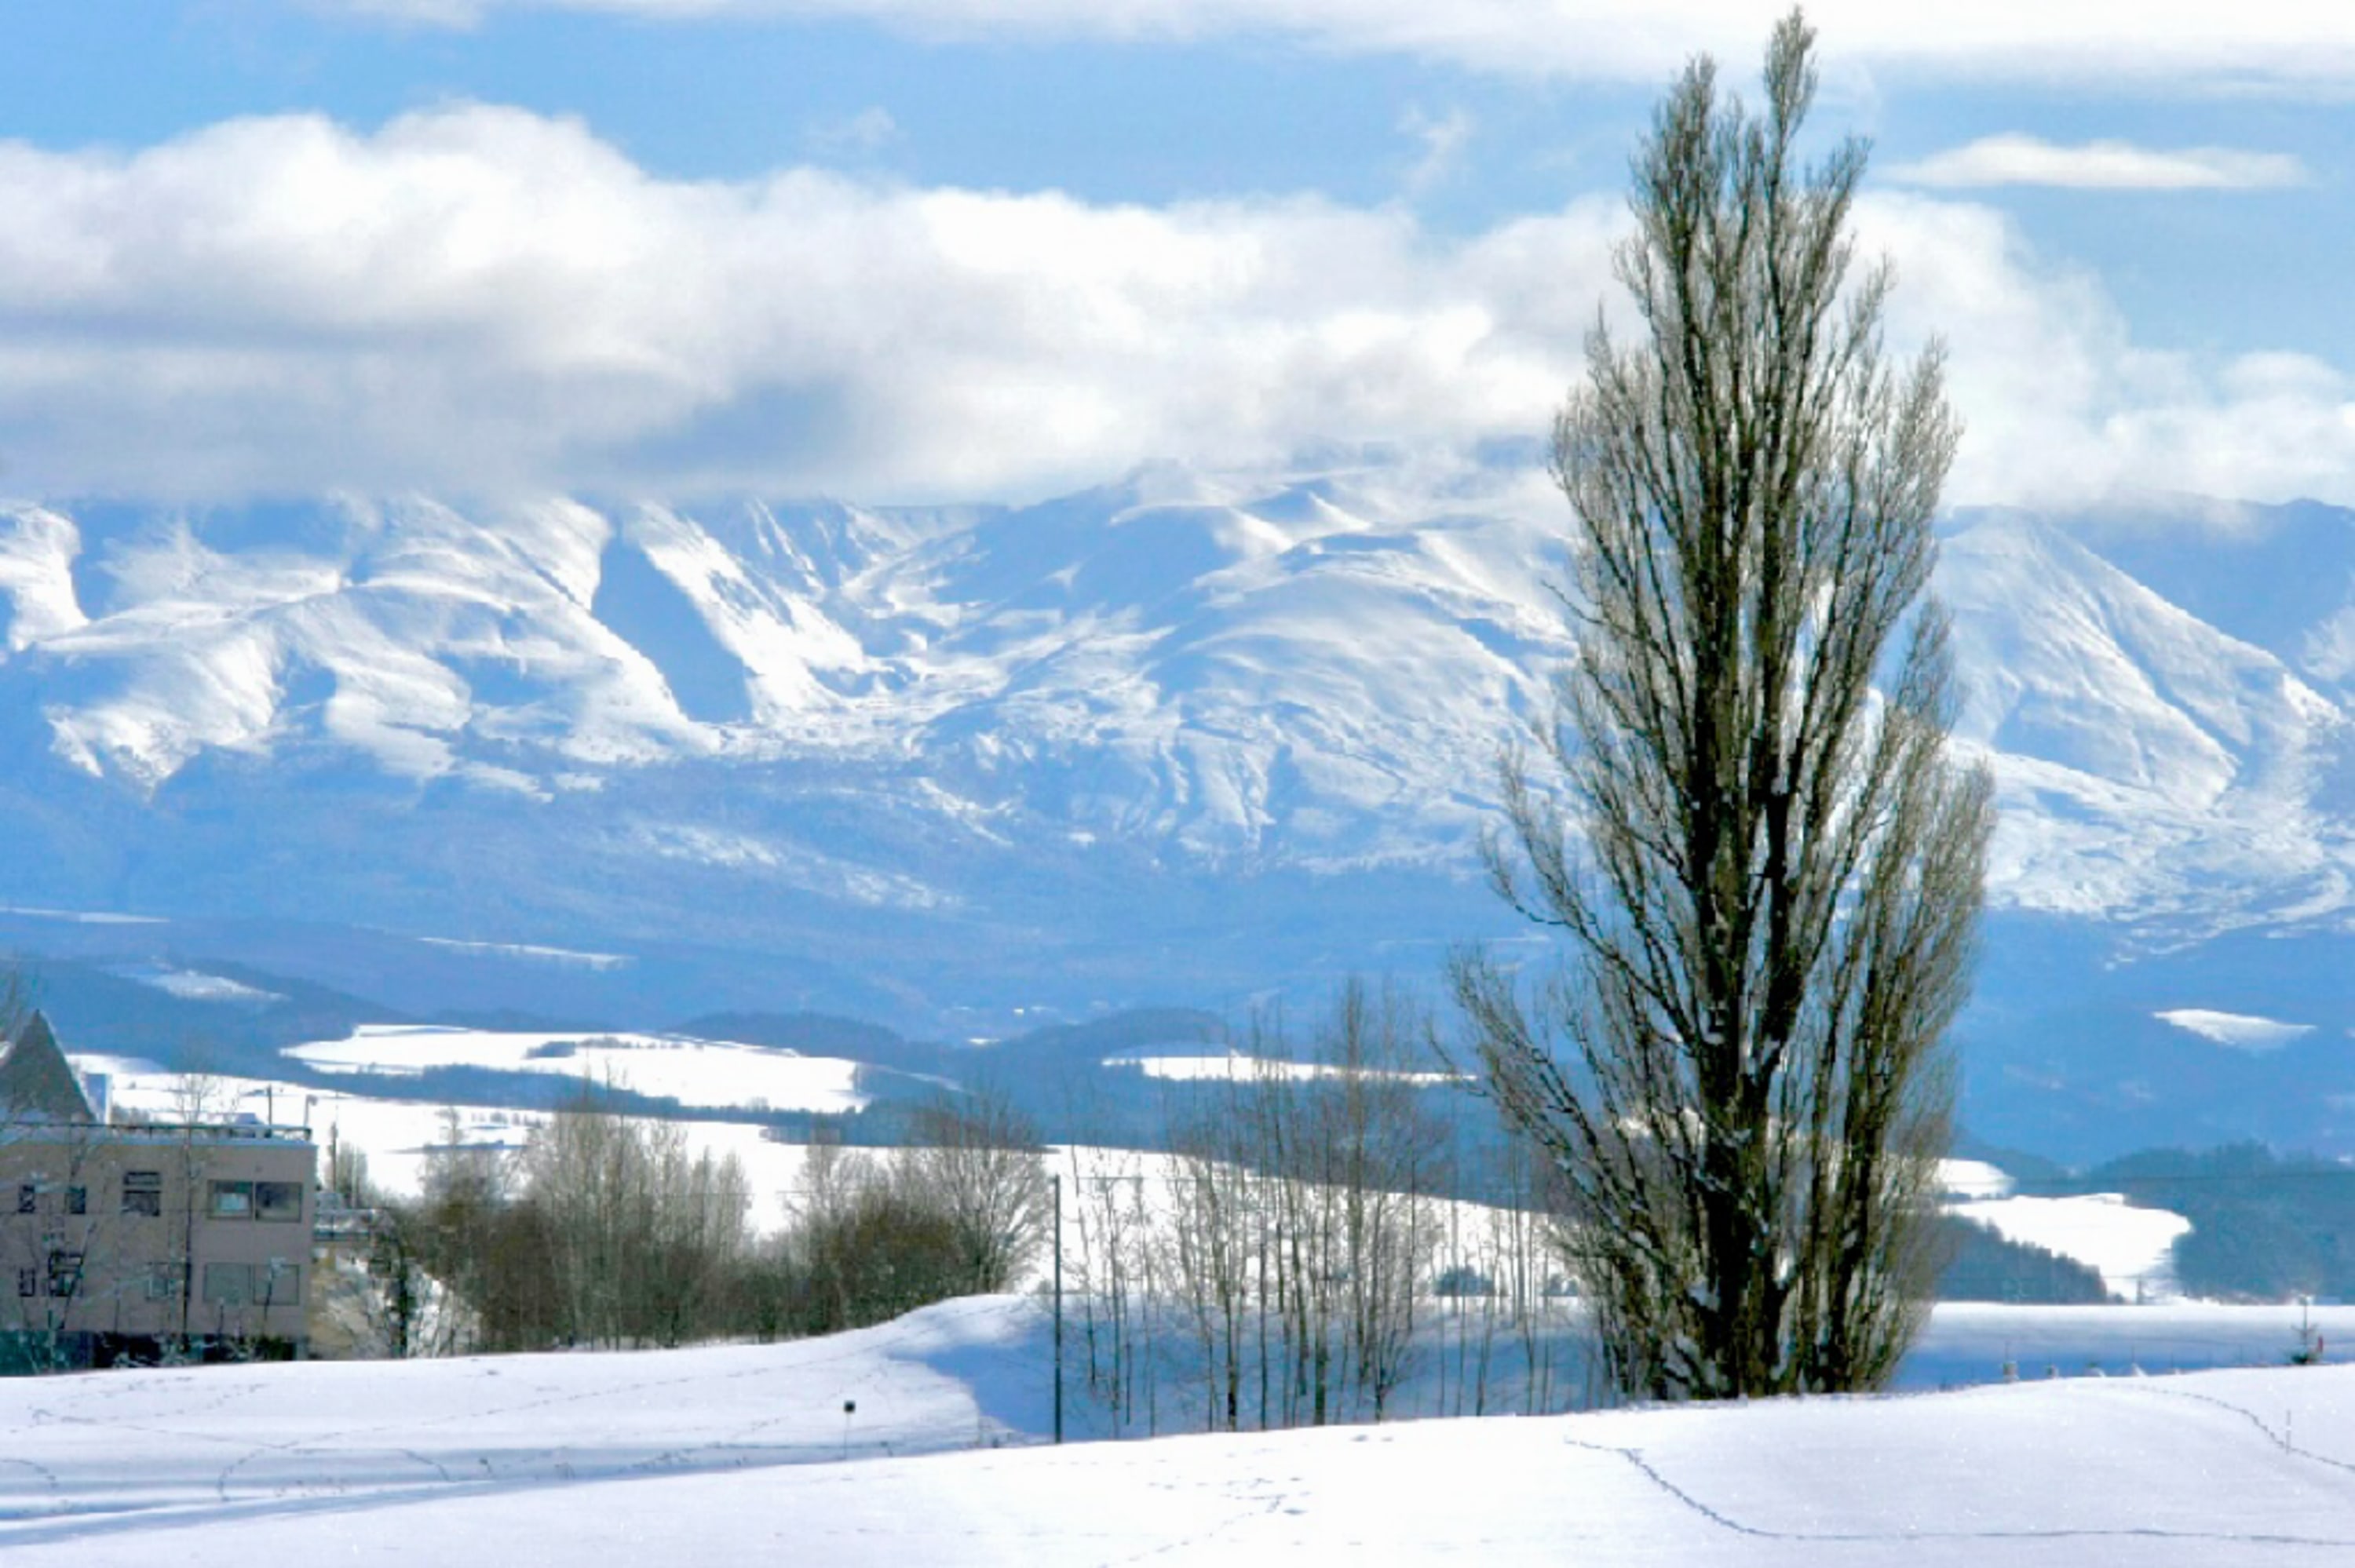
(2062, 405)
(2019, 160)
(2290, 41)
(483, 298)
(479, 298)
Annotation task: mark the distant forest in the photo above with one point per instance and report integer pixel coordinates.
(1985, 1267)
(2264, 1226)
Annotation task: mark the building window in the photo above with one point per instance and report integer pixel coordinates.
(143, 1194)
(28, 1282)
(228, 1283)
(163, 1282)
(278, 1283)
(232, 1201)
(65, 1273)
(273, 1283)
(77, 1200)
(278, 1201)
(29, 1199)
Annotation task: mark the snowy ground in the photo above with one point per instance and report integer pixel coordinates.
(1235, 1067)
(733, 1455)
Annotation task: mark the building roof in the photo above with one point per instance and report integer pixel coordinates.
(37, 1082)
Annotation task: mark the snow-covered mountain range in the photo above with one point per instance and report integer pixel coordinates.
(1185, 738)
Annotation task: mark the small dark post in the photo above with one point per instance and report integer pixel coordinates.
(1057, 1182)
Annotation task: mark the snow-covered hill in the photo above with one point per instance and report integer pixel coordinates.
(1187, 737)
(2153, 763)
(737, 1453)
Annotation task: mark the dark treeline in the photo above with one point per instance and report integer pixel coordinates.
(2264, 1226)
(1982, 1265)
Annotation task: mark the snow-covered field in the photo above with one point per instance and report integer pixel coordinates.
(1235, 1067)
(733, 1455)
(730, 1454)
(708, 1073)
(2128, 1247)
(2237, 1030)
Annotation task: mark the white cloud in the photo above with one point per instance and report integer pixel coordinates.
(1442, 139)
(2062, 405)
(2016, 160)
(2292, 41)
(480, 298)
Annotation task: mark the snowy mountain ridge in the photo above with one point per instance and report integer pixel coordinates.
(1184, 737)
(1163, 657)
(1305, 671)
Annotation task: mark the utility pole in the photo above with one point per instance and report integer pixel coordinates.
(1057, 1182)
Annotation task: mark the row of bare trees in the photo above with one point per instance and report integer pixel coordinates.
(607, 1230)
(1301, 1257)
(962, 1210)
(1301, 1254)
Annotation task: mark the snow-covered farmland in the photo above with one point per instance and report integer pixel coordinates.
(399, 1136)
(1237, 1067)
(2130, 1248)
(705, 1074)
(2235, 1031)
(735, 1454)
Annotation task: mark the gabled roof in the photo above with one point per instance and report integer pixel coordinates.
(37, 1082)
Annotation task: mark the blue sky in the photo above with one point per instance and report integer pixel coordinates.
(917, 248)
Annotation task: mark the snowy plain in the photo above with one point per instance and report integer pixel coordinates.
(745, 1452)
(2131, 1247)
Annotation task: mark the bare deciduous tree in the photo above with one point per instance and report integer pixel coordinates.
(642, 1237)
(1764, 870)
(864, 1246)
(975, 1158)
(1299, 1222)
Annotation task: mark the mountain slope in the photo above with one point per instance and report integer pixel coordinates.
(2151, 764)
(1181, 739)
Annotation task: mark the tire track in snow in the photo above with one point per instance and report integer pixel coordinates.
(2282, 1439)
(47, 1478)
(1650, 1472)
(328, 1481)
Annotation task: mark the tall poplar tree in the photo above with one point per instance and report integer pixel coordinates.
(1742, 817)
